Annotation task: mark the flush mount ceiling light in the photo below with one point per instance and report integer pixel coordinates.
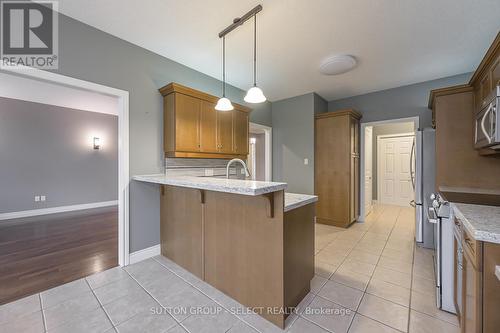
(224, 104)
(338, 64)
(254, 94)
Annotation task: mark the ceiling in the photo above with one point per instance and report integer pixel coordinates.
(396, 42)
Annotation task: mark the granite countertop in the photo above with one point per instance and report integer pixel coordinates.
(294, 200)
(237, 186)
(482, 222)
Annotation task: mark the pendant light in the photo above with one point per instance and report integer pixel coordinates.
(224, 104)
(255, 94)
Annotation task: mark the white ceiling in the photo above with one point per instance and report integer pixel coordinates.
(396, 42)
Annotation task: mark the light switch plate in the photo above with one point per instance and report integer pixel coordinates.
(242, 171)
(497, 272)
(209, 172)
(37, 198)
(42, 198)
(306, 161)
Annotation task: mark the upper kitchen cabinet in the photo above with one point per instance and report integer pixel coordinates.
(208, 128)
(467, 140)
(487, 76)
(240, 128)
(193, 128)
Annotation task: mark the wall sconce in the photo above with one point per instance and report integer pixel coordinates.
(97, 143)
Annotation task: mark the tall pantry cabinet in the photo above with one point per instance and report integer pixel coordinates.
(336, 164)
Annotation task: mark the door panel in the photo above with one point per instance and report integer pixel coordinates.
(394, 157)
(208, 128)
(187, 120)
(240, 128)
(225, 131)
(368, 169)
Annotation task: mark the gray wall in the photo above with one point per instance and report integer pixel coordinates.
(401, 102)
(90, 54)
(293, 141)
(385, 129)
(47, 150)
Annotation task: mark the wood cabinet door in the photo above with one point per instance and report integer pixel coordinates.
(456, 278)
(187, 123)
(495, 72)
(484, 89)
(181, 227)
(471, 297)
(240, 132)
(491, 285)
(332, 164)
(225, 131)
(354, 128)
(208, 128)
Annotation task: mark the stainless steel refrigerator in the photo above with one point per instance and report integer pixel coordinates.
(423, 171)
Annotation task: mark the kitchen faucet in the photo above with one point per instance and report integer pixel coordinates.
(247, 173)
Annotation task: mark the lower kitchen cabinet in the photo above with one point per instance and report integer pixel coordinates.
(471, 296)
(246, 246)
(181, 227)
(491, 288)
(477, 293)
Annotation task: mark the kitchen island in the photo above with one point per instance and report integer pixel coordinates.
(249, 239)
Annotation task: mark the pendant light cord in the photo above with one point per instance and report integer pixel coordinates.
(255, 50)
(224, 66)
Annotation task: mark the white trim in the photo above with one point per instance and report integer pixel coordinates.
(416, 125)
(54, 210)
(144, 254)
(268, 138)
(123, 143)
(379, 160)
(398, 135)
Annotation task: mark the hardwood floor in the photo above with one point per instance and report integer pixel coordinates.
(41, 252)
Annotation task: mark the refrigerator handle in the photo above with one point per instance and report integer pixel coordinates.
(412, 153)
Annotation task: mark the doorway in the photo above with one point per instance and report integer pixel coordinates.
(394, 185)
(259, 158)
(53, 217)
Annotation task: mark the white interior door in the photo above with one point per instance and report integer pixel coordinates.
(394, 180)
(368, 169)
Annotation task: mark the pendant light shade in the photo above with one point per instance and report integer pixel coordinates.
(255, 94)
(224, 104)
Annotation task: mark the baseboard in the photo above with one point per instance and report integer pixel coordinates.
(144, 254)
(54, 210)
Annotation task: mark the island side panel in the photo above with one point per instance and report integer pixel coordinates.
(181, 227)
(299, 253)
(244, 249)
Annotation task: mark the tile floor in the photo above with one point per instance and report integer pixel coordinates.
(369, 278)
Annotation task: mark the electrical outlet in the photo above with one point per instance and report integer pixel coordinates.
(306, 161)
(37, 198)
(209, 172)
(42, 198)
(242, 171)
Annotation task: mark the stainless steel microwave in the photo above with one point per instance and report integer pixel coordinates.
(487, 125)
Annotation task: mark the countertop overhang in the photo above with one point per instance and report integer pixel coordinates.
(294, 200)
(482, 222)
(236, 186)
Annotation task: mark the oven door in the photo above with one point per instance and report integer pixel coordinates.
(484, 122)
